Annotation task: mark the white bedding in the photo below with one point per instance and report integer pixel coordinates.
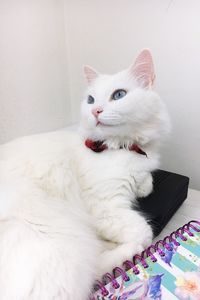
(189, 210)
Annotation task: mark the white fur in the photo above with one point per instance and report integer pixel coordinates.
(120, 176)
(59, 199)
(47, 247)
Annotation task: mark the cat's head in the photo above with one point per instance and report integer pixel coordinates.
(122, 109)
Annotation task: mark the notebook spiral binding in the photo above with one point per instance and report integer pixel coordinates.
(147, 253)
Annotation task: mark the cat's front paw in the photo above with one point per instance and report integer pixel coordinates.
(146, 236)
(145, 187)
(110, 259)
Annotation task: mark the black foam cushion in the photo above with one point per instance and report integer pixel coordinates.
(169, 192)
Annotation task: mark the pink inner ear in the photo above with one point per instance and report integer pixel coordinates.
(143, 69)
(90, 74)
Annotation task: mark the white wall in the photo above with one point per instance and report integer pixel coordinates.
(44, 43)
(108, 34)
(34, 94)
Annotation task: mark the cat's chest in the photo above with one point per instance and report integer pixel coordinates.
(108, 169)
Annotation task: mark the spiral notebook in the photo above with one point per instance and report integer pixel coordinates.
(167, 270)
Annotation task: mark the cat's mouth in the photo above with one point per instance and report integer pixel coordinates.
(102, 124)
(99, 123)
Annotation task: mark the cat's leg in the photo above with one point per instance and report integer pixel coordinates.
(128, 229)
(144, 183)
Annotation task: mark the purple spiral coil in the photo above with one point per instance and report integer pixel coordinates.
(147, 253)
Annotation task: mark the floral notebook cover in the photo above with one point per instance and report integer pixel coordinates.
(168, 270)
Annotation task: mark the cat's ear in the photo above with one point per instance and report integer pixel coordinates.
(143, 69)
(90, 74)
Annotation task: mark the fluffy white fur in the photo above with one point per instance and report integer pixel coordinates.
(59, 199)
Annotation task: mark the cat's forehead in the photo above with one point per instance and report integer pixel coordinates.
(106, 84)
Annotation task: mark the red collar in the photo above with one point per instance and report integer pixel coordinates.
(99, 146)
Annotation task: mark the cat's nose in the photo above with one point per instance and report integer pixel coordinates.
(96, 111)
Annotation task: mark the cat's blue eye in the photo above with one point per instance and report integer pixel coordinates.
(90, 99)
(118, 94)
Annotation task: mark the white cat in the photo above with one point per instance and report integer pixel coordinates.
(62, 193)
